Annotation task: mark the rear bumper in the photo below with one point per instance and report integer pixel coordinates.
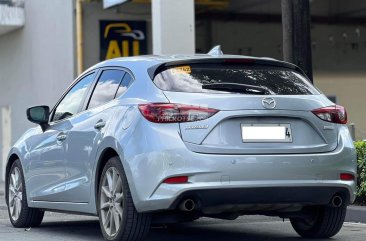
(307, 179)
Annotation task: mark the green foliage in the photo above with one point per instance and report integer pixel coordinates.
(361, 172)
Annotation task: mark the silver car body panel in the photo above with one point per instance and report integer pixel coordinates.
(62, 176)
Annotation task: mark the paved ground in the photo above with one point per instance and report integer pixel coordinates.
(61, 227)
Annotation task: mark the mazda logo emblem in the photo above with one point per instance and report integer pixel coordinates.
(268, 103)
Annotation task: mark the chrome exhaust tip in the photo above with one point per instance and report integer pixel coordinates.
(187, 205)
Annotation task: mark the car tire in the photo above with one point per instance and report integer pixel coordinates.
(326, 223)
(20, 215)
(115, 198)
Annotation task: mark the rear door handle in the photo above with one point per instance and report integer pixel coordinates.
(99, 125)
(61, 137)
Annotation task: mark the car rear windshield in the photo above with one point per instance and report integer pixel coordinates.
(234, 78)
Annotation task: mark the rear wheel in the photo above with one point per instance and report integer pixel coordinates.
(118, 217)
(325, 223)
(20, 214)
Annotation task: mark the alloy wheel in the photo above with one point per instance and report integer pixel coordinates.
(15, 193)
(111, 201)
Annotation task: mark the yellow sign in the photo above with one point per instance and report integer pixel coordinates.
(122, 39)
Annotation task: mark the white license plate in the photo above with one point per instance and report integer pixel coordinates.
(266, 132)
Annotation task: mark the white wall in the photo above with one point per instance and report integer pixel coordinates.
(37, 61)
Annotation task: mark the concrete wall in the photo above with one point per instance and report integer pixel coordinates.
(37, 61)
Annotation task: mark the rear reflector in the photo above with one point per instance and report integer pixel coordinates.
(347, 177)
(335, 114)
(174, 113)
(176, 180)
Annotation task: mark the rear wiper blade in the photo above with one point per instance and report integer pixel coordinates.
(238, 88)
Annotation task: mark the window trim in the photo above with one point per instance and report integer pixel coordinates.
(129, 84)
(87, 103)
(91, 91)
(76, 81)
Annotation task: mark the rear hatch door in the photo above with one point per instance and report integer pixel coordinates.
(262, 108)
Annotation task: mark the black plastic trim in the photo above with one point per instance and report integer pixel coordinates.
(263, 195)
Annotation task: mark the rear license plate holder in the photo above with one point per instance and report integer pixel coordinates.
(266, 132)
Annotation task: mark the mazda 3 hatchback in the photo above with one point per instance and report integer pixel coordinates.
(166, 139)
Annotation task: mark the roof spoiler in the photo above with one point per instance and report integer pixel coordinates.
(154, 70)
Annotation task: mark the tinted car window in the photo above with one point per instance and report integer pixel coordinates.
(234, 78)
(71, 103)
(127, 80)
(106, 87)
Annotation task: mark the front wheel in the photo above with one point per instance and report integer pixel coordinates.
(118, 217)
(21, 216)
(326, 222)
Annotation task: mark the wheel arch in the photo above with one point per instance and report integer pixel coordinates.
(11, 159)
(108, 148)
(105, 155)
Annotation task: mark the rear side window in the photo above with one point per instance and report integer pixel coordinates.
(127, 80)
(106, 88)
(234, 78)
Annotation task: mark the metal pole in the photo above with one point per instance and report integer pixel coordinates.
(79, 36)
(352, 129)
(296, 34)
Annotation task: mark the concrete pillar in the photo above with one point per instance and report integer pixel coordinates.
(173, 26)
(5, 138)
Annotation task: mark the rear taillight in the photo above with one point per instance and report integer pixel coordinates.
(336, 114)
(174, 113)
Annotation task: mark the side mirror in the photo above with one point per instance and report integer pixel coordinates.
(39, 115)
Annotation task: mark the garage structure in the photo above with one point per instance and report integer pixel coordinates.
(252, 27)
(41, 43)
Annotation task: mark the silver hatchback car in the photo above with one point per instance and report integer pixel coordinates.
(164, 139)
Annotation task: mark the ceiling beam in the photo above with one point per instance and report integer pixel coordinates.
(276, 18)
